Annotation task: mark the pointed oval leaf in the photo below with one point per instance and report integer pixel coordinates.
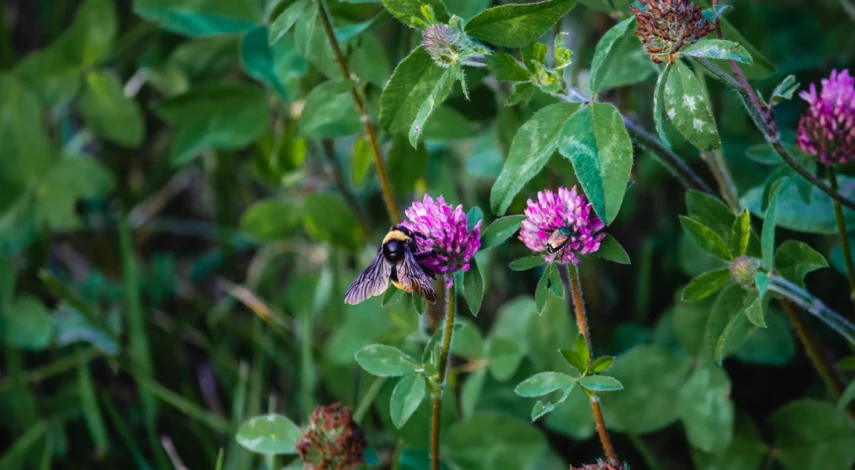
(686, 107)
(473, 287)
(795, 259)
(600, 383)
(407, 11)
(544, 383)
(440, 91)
(718, 49)
(611, 250)
(596, 142)
(767, 235)
(500, 230)
(706, 285)
(385, 361)
(524, 264)
(619, 58)
(574, 359)
(409, 87)
(517, 25)
(705, 238)
(813, 434)
(740, 234)
(602, 363)
(531, 148)
(406, 398)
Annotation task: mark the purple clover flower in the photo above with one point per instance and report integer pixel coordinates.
(827, 129)
(551, 212)
(445, 230)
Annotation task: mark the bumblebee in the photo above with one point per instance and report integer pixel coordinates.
(398, 261)
(558, 239)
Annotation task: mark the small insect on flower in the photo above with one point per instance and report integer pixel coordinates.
(397, 261)
(558, 239)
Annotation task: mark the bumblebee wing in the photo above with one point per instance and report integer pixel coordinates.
(413, 277)
(373, 281)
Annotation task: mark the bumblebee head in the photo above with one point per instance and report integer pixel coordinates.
(398, 233)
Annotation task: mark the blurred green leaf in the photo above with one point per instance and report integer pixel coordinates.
(446, 124)
(687, 109)
(225, 117)
(405, 165)
(488, 441)
(619, 58)
(197, 18)
(505, 356)
(767, 236)
(532, 146)
(276, 65)
(385, 361)
(72, 179)
(361, 160)
(329, 111)
(326, 217)
(406, 398)
(521, 93)
(746, 451)
(269, 434)
(718, 49)
(705, 409)
(72, 327)
(652, 378)
(813, 434)
(517, 25)
(91, 412)
(729, 305)
(271, 219)
(26, 324)
(794, 214)
(706, 285)
(773, 345)
(754, 310)
(596, 141)
(109, 113)
(286, 20)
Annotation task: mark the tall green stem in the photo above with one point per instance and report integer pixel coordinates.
(841, 232)
(573, 285)
(445, 350)
(388, 196)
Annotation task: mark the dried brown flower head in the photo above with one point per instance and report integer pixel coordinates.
(666, 26)
(333, 441)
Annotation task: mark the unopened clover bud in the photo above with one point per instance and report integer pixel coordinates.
(332, 440)
(743, 269)
(443, 43)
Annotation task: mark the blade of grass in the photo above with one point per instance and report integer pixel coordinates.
(13, 458)
(138, 347)
(238, 457)
(124, 431)
(91, 412)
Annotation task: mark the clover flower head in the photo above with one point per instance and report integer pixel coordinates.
(666, 26)
(566, 210)
(443, 43)
(743, 269)
(444, 231)
(827, 129)
(332, 440)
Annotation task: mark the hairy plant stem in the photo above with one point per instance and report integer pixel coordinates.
(444, 351)
(765, 122)
(573, 290)
(812, 305)
(821, 362)
(388, 197)
(844, 239)
(670, 160)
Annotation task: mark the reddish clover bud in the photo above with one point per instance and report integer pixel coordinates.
(743, 269)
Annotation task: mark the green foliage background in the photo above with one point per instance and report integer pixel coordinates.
(186, 192)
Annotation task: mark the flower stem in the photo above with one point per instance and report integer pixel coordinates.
(573, 286)
(388, 196)
(444, 351)
(823, 365)
(841, 232)
(812, 305)
(765, 122)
